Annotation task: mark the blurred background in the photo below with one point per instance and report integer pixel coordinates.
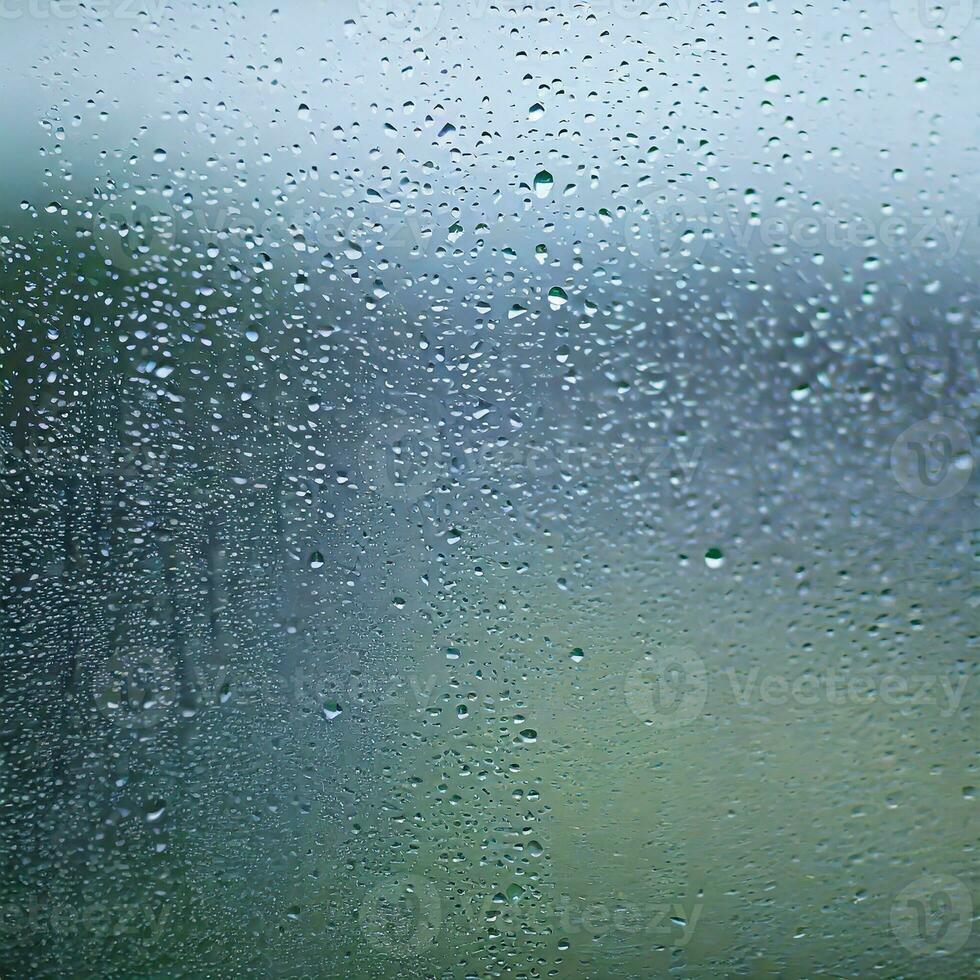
(489, 490)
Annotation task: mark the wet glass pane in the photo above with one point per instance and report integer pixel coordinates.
(488, 490)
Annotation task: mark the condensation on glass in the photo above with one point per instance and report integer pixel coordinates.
(488, 490)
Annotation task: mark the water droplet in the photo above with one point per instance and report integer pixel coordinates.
(543, 182)
(714, 558)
